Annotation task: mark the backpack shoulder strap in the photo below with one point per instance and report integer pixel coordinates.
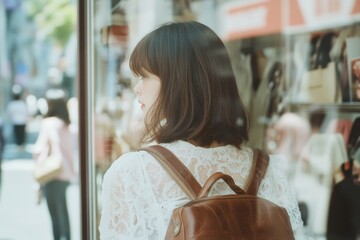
(257, 172)
(176, 169)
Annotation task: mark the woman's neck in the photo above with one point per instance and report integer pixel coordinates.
(212, 145)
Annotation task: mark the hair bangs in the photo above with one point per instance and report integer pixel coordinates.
(141, 58)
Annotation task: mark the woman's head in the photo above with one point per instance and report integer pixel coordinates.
(56, 104)
(197, 92)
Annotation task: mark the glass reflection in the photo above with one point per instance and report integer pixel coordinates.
(311, 130)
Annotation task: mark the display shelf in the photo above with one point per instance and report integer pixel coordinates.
(262, 42)
(340, 107)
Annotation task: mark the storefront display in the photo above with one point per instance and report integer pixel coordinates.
(297, 69)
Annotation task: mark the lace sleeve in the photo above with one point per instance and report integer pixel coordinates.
(275, 187)
(128, 201)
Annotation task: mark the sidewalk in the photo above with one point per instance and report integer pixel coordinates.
(21, 218)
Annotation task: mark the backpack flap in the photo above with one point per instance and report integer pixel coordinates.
(233, 216)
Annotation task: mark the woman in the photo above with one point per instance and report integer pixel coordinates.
(55, 136)
(188, 93)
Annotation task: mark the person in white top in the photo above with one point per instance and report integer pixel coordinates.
(188, 94)
(18, 115)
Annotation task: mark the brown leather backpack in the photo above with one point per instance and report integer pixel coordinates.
(227, 217)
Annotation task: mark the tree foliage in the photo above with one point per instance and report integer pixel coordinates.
(56, 19)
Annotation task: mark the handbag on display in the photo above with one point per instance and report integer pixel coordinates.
(319, 84)
(242, 215)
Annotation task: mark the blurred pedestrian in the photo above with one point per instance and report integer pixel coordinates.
(55, 135)
(18, 115)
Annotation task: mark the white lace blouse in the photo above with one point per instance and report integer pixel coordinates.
(138, 196)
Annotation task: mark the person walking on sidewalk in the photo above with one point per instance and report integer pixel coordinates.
(18, 115)
(55, 130)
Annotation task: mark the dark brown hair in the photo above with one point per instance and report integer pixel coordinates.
(198, 95)
(56, 101)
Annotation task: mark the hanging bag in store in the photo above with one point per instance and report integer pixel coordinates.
(242, 215)
(49, 168)
(319, 84)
